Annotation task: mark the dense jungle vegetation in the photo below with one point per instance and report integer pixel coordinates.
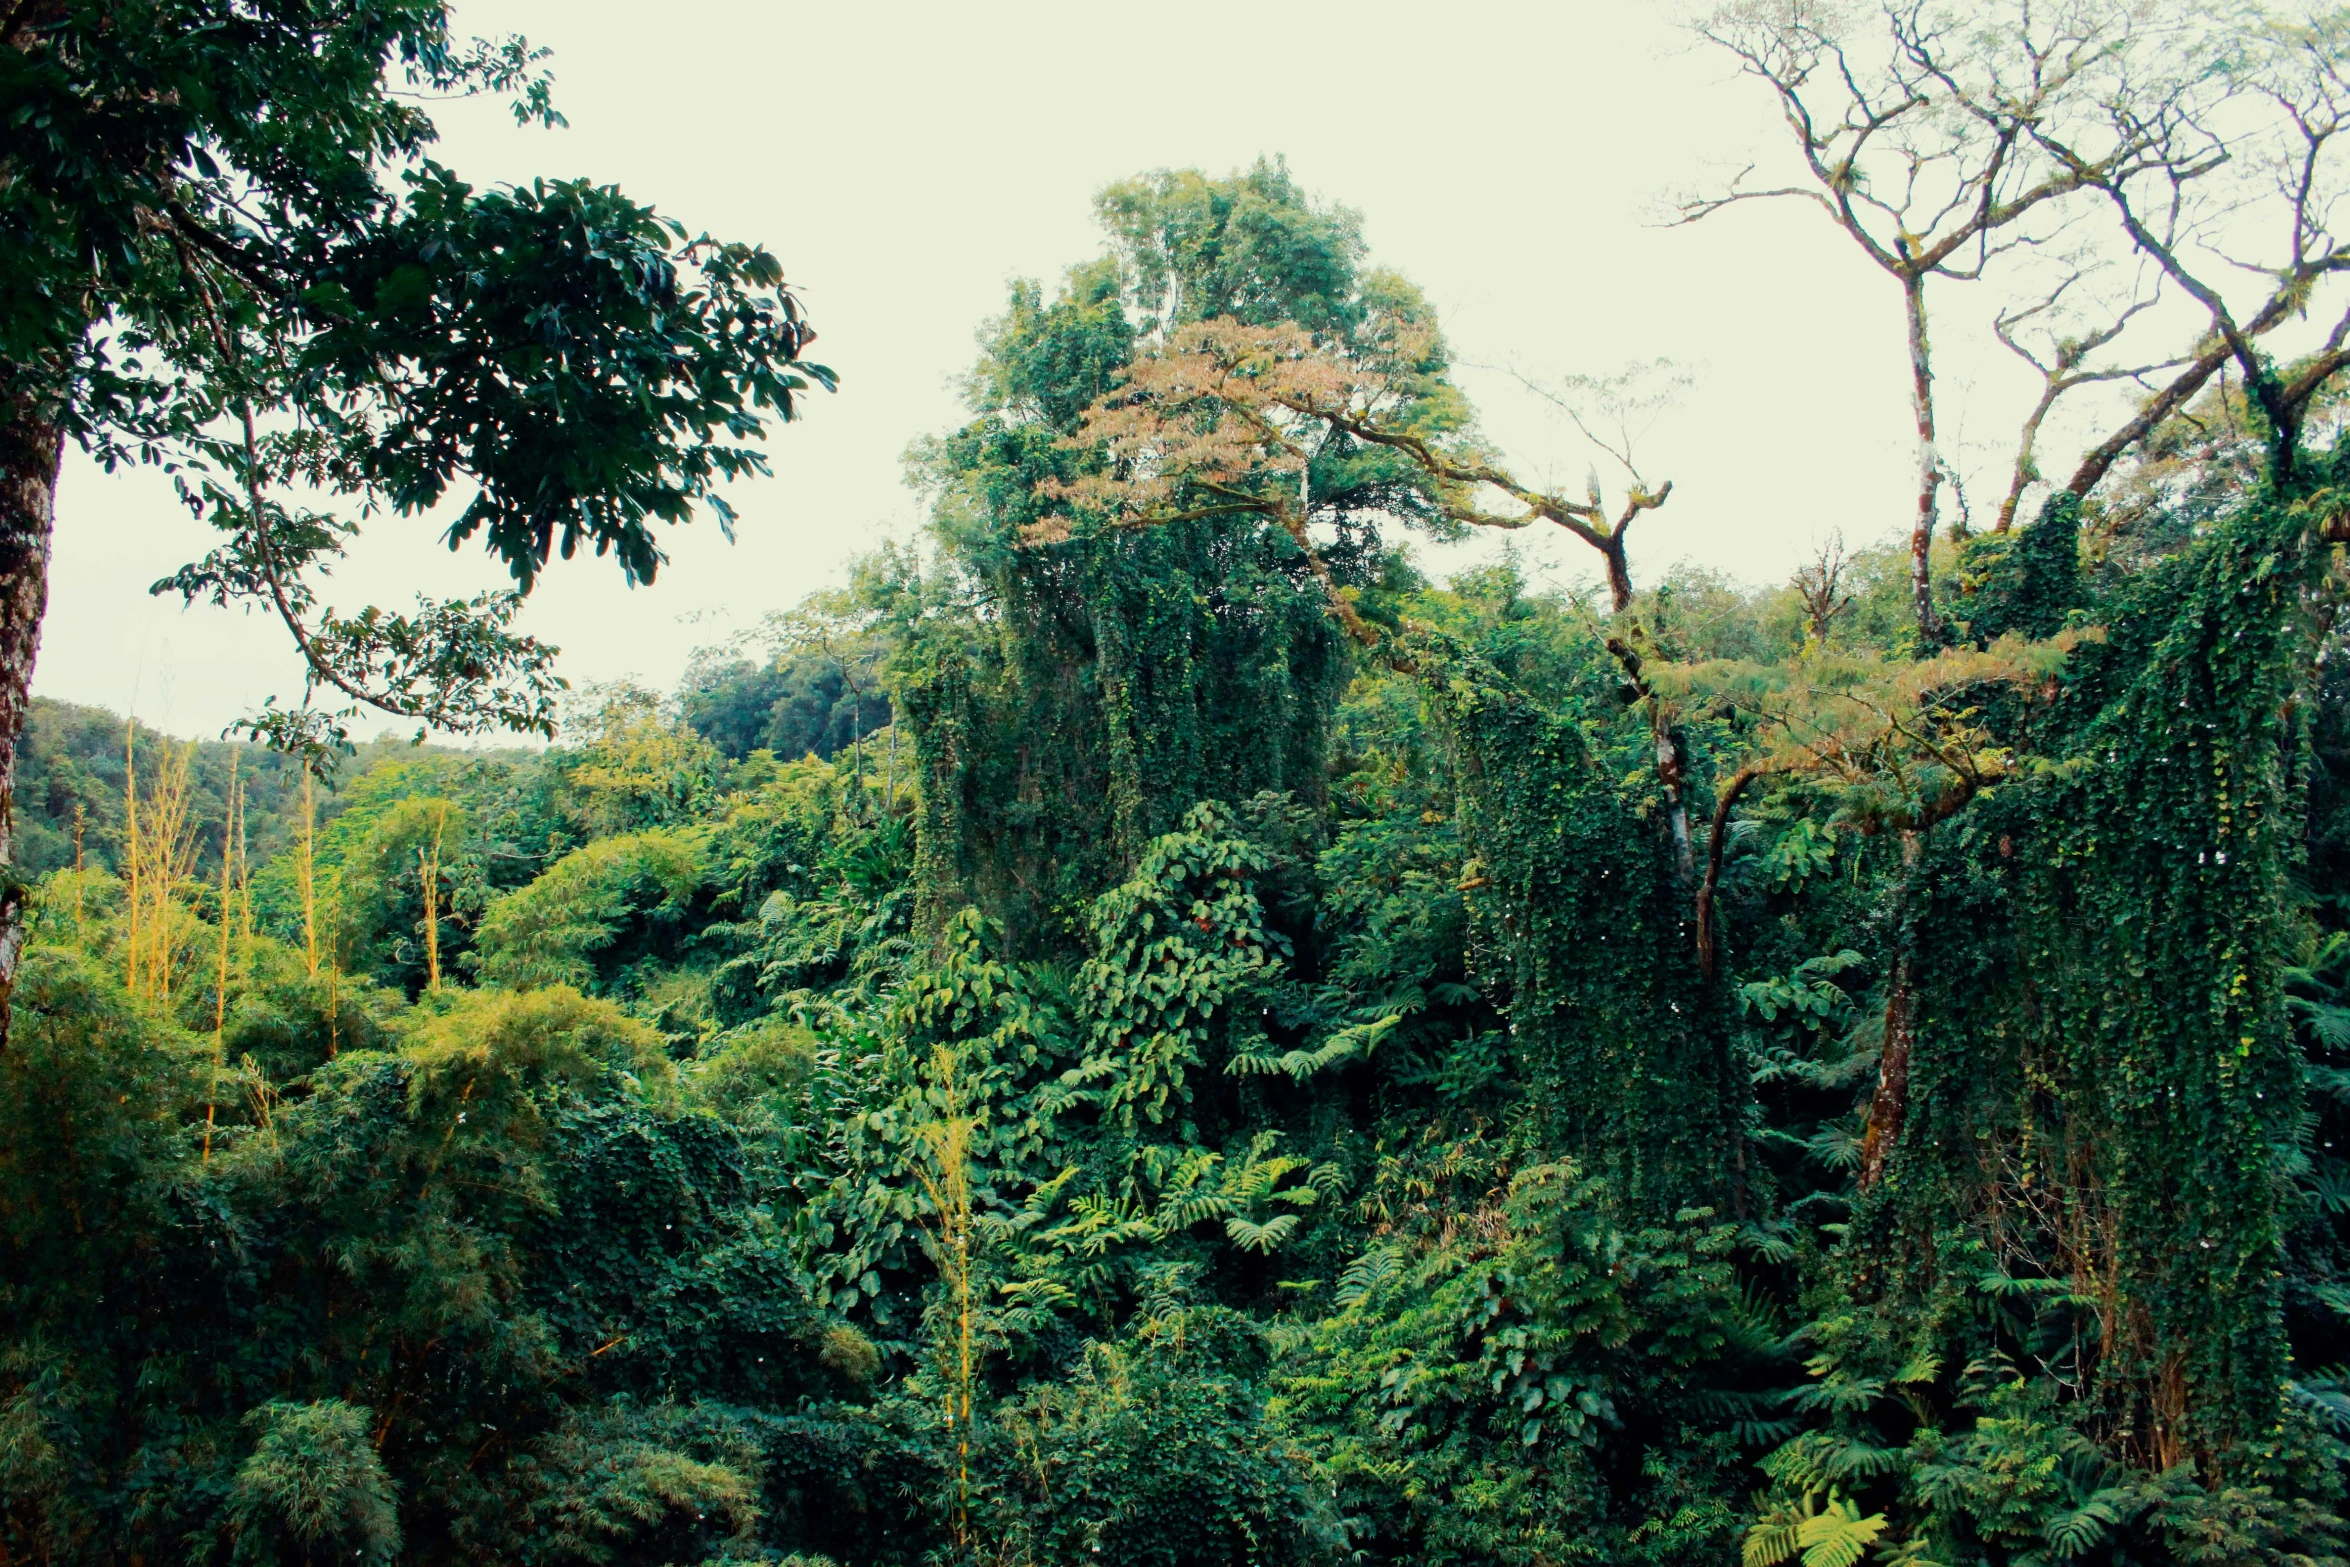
(1149, 1029)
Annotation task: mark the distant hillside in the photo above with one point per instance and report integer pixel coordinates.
(73, 756)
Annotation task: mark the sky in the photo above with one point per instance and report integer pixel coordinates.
(908, 161)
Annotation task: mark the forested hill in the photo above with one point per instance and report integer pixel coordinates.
(73, 761)
(1156, 1033)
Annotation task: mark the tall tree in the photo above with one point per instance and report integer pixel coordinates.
(1929, 134)
(1167, 664)
(230, 253)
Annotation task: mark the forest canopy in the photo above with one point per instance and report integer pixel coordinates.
(1152, 1028)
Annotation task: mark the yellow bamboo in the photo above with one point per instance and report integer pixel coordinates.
(306, 871)
(244, 879)
(244, 901)
(159, 851)
(164, 852)
(220, 970)
(133, 908)
(430, 868)
(79, 938)
(334, 971)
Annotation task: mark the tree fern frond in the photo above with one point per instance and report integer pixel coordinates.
(1837, 1535)
(1775, 1537)
(1366, 1273)
(1260, 1237)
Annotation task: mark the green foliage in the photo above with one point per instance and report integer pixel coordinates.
(1158, 1448)
(2026, 581)
(1517, 1391)
(1833, 1535)
(313, 1489)
(1166, 665)
(796, 705)
(836, 932)
(1166, 696)
(1174, 949)
(1574, 892)
(220, 213)
(637, 767)
(2136, 883)
(72, 757)
(603, 905)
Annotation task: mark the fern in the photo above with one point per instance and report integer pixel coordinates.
(1837, 1144)
(1832, 1536)
(1766, 1244)
(1838, 1536)
(1775, 1537)
(1838, 1392)
(1852, 1458)
(1366, 1273)
(2326, 1395)
(2329, 1186)
(1262, 1238)
(2074, 1533)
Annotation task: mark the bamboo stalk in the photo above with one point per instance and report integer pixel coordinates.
(163, 851)
(80, 936)
(430, 868)
(133, 907)
(244, 884)
(220, 969)
(306, 870)
(334, 970)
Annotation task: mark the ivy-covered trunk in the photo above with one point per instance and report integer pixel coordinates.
(2103, 1078)
(1581, 905)
(31, 448)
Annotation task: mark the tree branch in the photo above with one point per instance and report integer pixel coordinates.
(1709, 955)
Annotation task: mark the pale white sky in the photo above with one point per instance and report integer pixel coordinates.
(906, 161)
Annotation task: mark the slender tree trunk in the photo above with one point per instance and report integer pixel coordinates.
(1670, 773)
(1921, 400)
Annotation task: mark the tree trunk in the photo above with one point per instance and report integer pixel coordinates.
(1619, 572)
(1889, 1106)
(1670, 773)
(1921, 400)
(31, 447)
(1671, 766)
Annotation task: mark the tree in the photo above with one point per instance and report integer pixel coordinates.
(1227, 420)
(1169, 664)
(230, 254)
(836, 629)
(1950, 141)
(2071, 143)
(1821, 586)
